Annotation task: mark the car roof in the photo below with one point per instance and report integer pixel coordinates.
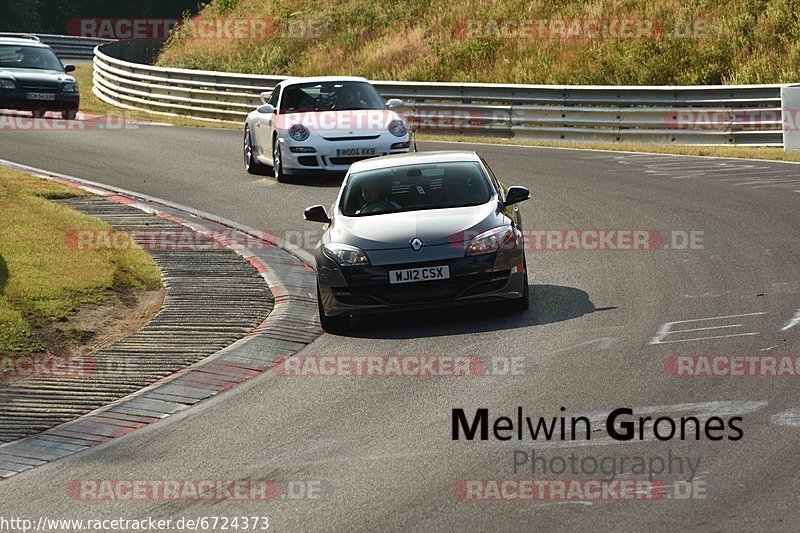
(321, 79)
(413, 158)
(22, 41)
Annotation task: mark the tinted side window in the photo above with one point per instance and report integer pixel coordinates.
(273, 100)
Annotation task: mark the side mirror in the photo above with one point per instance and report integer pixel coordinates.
(516, 195)
(394, 103)
(317, 213)
(69, 68)
(266, 109)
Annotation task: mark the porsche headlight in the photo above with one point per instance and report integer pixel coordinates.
(346, 255)
(298, 132)
(397, 128)
(7, 84)
(504, 238)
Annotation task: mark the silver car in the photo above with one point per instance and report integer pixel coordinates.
(419, 230)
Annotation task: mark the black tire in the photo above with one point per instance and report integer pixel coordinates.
(251, 164)
(69, 114)
(522, 304)
(331, 324)
(39, 113)
(277, 162)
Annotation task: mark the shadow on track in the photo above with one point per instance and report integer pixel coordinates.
(327, 180)
(549, 303)
(333, 179)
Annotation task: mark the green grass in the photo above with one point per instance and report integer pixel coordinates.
(699, 42)
(42, 278)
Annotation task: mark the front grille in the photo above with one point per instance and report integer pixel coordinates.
(353, 138)
(424, 292)
(348, 160)
(40, 88)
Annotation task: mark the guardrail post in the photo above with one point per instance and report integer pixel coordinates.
(790, 111)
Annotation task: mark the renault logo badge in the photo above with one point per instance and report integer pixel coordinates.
(416, 244)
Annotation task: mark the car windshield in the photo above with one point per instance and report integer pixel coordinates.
(330, 96)
(16, 56)
(415, 187)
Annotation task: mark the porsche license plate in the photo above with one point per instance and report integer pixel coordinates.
(355, 152)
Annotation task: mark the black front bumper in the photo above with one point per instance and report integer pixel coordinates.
(18, 100)
(357, 290)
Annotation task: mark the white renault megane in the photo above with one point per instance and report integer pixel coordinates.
(319, 125)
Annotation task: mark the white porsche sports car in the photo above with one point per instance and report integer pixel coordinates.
(320, 125)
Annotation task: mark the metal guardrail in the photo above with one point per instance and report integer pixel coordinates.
(66, 46)
(734, 114)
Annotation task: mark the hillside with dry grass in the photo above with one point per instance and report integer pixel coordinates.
(512, 41)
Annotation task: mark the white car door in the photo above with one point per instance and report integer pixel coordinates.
(265, 125)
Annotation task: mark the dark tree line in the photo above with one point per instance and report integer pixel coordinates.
(52, 16)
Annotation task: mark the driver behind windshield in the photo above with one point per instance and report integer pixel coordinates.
(348, 98)
(374, 193)
(31, 57)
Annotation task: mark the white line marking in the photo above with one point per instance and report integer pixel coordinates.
(705, 329)
(757, 182)
(666, 329)
(793, 322)
(792, 183)
(789, 418)
(706, 338)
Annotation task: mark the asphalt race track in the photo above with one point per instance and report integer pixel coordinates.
(378, 451)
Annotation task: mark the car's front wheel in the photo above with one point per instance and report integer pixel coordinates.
(277, 162)
(69, 114)
(331, 324)
(251, 163)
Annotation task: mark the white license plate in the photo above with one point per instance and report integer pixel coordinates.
(354, 152)
(410, 275)
(41, 96)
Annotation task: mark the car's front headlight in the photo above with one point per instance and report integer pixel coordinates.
(397, 128)
(504, 238)
(346, 255)
(70, 87)
(7, 84)
(298, 132)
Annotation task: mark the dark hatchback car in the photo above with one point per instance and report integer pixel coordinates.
(417, 231)
(33, 79)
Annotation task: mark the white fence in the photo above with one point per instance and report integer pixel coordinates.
(735, 114)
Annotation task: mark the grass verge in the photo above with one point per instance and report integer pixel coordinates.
(587, 42)
(42, 278)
